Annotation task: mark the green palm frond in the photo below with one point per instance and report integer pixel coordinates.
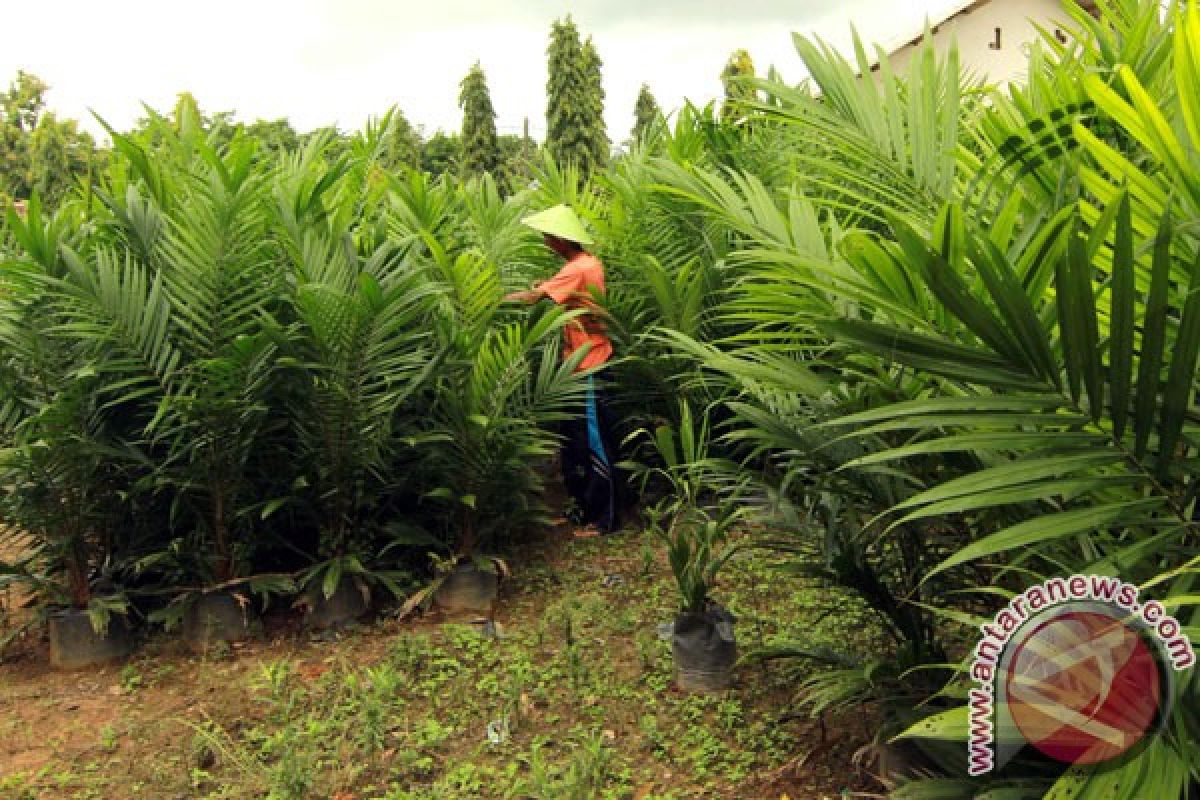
(305, 187)
(495, 231)
(472, 290)
(865, 146)
(216, 262)
(365, 354)
(424, 210)
(116, 307)
(493, 419)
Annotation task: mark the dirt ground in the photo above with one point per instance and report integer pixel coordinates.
(169, 724)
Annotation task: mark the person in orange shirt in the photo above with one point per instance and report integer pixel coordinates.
(589, 454)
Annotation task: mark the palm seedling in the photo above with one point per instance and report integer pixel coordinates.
(63, 466)
(500, 387)
(694, 519)
(361, 348)
(699, 508)
(501, 391)
(189, 320)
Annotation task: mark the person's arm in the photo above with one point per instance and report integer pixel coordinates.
(527, 296)
(564, 285)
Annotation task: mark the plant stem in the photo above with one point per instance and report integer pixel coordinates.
(224, 565)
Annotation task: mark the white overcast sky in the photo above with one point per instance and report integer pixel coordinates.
(322, 62)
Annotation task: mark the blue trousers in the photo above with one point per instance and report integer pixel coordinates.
(589, 459)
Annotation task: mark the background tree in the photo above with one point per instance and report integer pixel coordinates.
(25, 100)
(480, 150)
(736, 77)
(574, 124)
(402, 144)
(21, 106)
(645, 112)
(274, 136)
(598, 135)
(441, 153)
(518, 155)
(38, 152)
(59, 155)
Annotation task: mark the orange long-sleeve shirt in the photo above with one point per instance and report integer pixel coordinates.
(572, 287)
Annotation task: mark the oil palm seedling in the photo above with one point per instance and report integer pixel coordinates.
(361, 349)
(498, 393)
(694, 519)
(61, 481)
(198, 346)
(62, 463)
(499, 388)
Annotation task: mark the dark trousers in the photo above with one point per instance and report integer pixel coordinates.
(589, 459)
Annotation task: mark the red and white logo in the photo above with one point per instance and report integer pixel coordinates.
(1078, 668)
(1084, 687)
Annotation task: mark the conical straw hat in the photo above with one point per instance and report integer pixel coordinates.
(559, 221)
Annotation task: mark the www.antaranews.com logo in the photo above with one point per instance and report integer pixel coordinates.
(1076, 667)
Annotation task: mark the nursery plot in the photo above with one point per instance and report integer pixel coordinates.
(573, 699)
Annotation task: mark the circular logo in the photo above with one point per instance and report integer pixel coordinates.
(1084, 687)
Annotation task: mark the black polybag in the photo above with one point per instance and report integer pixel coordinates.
(705, 648)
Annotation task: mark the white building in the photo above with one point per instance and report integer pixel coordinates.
(993, 35)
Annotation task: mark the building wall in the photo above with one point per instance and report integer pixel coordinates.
(975, 30)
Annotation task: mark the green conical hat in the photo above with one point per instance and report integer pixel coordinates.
(559, 221)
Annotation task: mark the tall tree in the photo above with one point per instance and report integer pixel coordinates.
(480, 150)
(24, 101)
(645, 112)
(739, 91)
(574, 128)
(594, 78)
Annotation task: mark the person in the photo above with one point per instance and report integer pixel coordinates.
(589, 454)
